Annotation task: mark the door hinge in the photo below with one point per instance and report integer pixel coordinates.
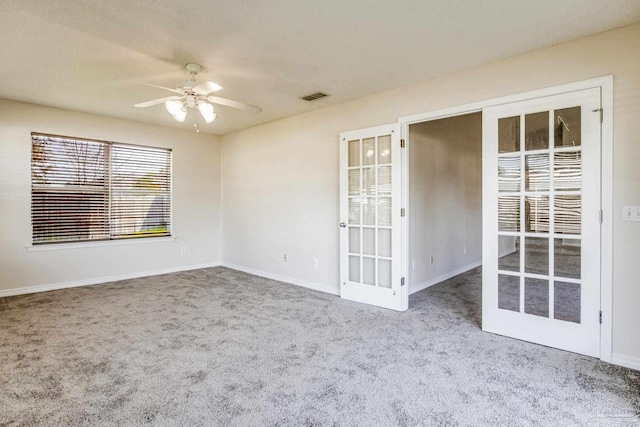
(402, 281)
(402, 143)
(601, 216)
(401, 211)
(601, 317)
(601, 113)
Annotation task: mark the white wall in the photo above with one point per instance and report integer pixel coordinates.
(280, 180)
(445, 193)
(196, 201)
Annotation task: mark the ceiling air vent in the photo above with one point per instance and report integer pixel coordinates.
(314, 96)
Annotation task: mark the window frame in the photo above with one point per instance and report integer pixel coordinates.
(106, 189)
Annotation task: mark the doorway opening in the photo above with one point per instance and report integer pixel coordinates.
(445, 210)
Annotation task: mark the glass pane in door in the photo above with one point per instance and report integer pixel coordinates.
(354, 240)
(537, 209)
(354, 211)
(384, 210)
(509, 134)
(384, 149)
(354, 268)
(509, 292)
(369, 241)
(568, 127)
(536, 131)
(537, 172)
(354, 153)
(368, 151)
(354, 182)
(536, 255)
(567, 171)
(369, 271)
(369, 181)
(567, 214)
(508, 213)
(384, 242)
(369, 211)
(509, 174)
(536, 297)
(567, 258)
(567, 301)
(384, 180)
(509, 253)
(384, 273)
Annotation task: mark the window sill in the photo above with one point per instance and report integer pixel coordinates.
(79, 245)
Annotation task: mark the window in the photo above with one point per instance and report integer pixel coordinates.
(87, 190)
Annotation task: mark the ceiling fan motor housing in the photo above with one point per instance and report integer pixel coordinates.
(191, 100)
(186, 86)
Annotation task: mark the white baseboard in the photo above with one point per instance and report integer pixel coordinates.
(626, 361)
(99, 280)
(424, 285)
(297, 282)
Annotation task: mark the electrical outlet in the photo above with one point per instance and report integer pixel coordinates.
(315, 262)
(431, 260)
(284, 258)
(464, 250)
(183, 249)
(413, 265)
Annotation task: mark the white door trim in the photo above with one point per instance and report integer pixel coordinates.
(605, 84)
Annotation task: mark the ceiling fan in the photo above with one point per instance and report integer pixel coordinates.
(195, 95)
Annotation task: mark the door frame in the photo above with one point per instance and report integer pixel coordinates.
(605, 84)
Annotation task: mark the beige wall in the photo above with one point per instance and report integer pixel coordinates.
(280, 180)
(445, 193)
(196, 200)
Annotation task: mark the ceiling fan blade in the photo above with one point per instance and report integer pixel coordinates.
(157, 101)
(234, 104)
(206, 87)
(159, 87)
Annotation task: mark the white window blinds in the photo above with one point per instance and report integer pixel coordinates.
(85, 190)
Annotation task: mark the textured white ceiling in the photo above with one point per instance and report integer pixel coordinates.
(82, 55)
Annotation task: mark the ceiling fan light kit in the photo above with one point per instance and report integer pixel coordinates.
(206, 110)
(195, 95)
(177, 110)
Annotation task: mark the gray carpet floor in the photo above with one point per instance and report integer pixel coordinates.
(223, 348)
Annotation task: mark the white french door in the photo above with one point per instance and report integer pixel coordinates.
(370, 227)
(541, 221)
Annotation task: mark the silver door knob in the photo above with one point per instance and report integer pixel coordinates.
(343, 225)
